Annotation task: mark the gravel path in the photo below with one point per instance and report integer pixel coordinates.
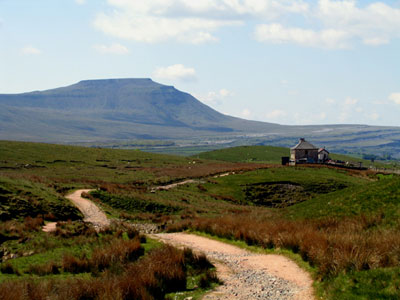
(187, 181)
(90, 211)
(174, 185)
(247, 275)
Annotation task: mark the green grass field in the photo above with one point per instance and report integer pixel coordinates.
(273, 155)
(265, 154)
(343, 223)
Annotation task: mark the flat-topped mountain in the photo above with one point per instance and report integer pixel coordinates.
(128, 109)
(112, 109)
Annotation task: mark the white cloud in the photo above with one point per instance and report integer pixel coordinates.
(30, 50)
(277, 34)
(80, 2)
(276, 114)
(309, 118)
(374, 24)
(374, 116)
(376, 41)
(293, 93)
(112, 49)
(150, 29)
(321, 116)
(350, 101)
(330, 101)
(341, 24)
(175, 72)
(284, 82)
(246, 113)
(216, 98)
(395, 97)
(225, 93)
(329, 24)
(187, 21)
(348, 107)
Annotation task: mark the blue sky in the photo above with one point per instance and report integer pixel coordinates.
(289, 62)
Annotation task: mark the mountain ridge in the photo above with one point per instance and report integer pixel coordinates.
(129, 108)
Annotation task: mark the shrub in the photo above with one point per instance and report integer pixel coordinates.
(45, 269)
(208, 278)
(8, 268)
(75, 265)
(118, 252)
(198, 262)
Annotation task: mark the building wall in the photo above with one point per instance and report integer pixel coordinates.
(323, 156)
(311, 155)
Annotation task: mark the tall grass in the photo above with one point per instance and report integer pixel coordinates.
(332, 245)
(163, 271)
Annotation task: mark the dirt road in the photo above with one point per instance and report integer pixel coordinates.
(248, 275)
(90, 211)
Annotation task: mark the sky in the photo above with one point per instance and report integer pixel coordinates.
(289, 62)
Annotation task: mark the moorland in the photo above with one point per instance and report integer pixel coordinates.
(341, 225)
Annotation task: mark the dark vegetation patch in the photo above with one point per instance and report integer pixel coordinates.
(21, 198)
(286, 193)
(133, 204)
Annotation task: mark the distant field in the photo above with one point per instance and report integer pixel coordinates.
(265, 154)
(273, 155)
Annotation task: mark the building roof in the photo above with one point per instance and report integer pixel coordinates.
(304, 145)
(323, 149)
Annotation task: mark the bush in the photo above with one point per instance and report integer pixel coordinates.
(33, 223)
(208, 278)
(45, 269)
(198, 262)
(75, 265)
(8, 268)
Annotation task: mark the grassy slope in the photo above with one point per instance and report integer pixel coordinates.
(48, 170)
(78, 166)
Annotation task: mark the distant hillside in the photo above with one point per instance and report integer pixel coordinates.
(119, 110)
(114, 109)
(270, 155)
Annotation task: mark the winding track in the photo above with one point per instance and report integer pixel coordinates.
(90, 211)
(246, 275)
(92, 214)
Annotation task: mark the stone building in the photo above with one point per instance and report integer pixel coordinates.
(304, 152)
(323, 155)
